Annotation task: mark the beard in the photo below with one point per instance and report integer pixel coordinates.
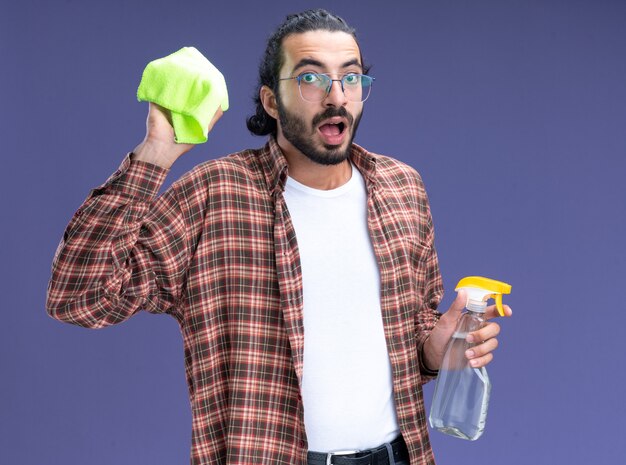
(300, 136)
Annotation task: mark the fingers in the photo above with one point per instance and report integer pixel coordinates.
(481, 354)
(492, 312)
(488, 331)
(218, 114)
(157, 111)
(480, 362)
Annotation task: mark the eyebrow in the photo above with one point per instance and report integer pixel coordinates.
(311, 61)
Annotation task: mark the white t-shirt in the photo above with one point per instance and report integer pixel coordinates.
(347, 388)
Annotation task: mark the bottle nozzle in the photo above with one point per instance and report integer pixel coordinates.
(483, 289)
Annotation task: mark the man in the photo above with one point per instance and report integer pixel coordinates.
(303, 274)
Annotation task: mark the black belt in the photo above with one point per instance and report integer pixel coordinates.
(377, 456)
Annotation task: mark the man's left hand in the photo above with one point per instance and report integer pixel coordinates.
(485, 338)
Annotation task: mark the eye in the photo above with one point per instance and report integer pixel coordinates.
(310, 78)
(351, 79)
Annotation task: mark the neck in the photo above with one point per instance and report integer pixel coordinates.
(312, 174)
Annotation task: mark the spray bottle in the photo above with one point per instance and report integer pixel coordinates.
(461, 395)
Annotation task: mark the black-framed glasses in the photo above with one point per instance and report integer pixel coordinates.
(314, 87)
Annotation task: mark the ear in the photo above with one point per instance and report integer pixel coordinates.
(268, 99)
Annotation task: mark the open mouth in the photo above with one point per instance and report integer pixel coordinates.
(332, 129)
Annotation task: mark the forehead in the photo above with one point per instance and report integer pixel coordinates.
(331, 49)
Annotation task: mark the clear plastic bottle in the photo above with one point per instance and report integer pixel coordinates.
(461, 397)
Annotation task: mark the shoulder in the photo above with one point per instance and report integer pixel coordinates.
(393, 174)
(400, 187)
(228, 172)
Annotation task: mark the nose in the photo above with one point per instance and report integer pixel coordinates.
(336, 97)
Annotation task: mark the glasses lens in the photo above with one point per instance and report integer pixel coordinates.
(357, 87)
(314, 87)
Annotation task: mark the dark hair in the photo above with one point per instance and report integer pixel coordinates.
(261, 123)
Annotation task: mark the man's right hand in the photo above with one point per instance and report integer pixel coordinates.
(159, 146)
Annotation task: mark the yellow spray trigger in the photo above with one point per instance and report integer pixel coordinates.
(480, 288)
(498, 298)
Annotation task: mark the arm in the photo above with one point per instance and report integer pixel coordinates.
(103, 270)
(434, 330)
(428, 315)
(124, 250)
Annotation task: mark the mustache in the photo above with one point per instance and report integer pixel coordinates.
(331, 112)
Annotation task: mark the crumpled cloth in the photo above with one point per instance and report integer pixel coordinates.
(190, 87)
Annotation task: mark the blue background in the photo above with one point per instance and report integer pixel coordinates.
(514, 112)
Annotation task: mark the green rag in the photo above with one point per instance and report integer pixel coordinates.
(188, 85)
